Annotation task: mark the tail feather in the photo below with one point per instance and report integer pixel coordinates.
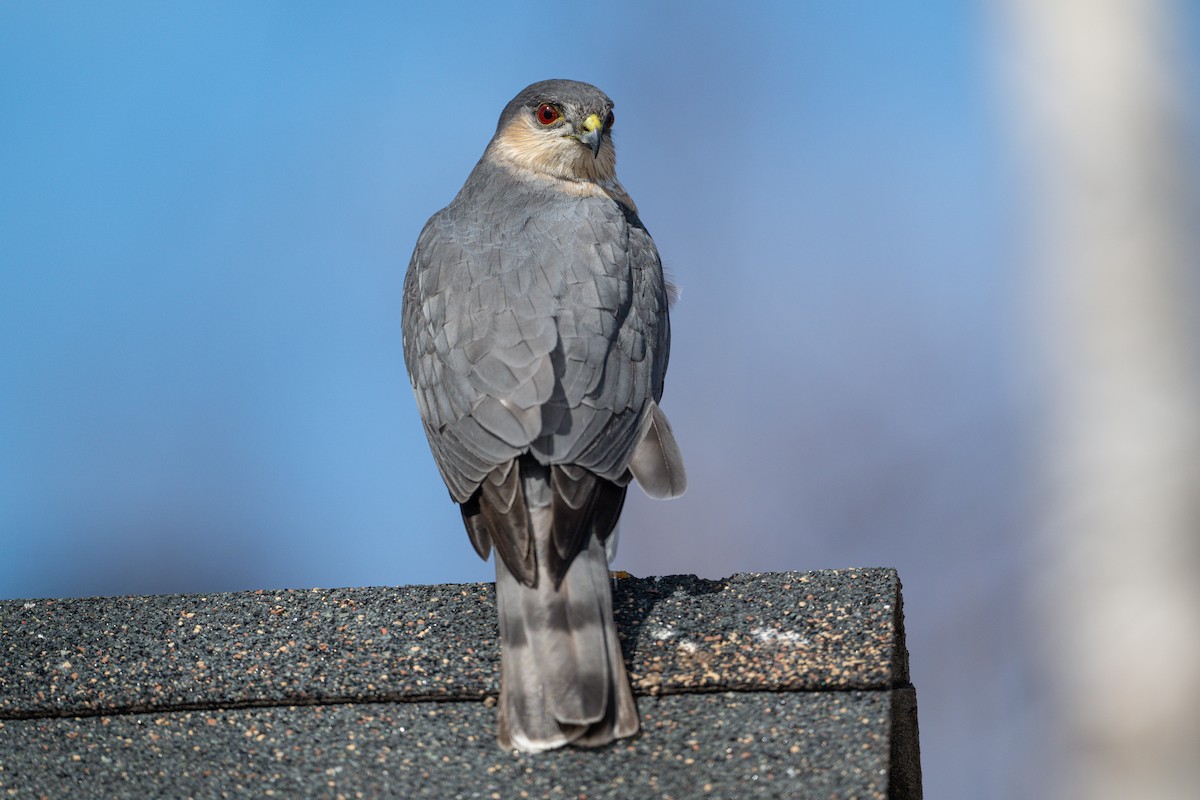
(620, 717)
(562, 675)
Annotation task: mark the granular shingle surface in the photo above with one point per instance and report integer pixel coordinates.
(746, 744)
(780, 684)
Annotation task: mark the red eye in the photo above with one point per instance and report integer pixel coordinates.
(547, 114)
(609, 120)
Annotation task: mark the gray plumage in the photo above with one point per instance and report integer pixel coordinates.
(536, 337)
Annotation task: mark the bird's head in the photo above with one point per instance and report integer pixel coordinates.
(558, 128)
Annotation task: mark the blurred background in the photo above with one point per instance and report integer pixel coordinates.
(939, 313)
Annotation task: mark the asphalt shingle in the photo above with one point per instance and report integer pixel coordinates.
(760, 685)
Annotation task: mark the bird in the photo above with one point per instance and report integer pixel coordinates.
(536, 336)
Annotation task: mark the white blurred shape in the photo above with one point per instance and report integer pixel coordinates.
(1096, 86)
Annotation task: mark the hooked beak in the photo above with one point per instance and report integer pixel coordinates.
(592, 134)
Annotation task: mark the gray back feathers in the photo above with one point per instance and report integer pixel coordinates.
(534, 320)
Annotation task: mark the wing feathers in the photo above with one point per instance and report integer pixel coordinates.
(657, 463)
(505, 515)
(584, 506)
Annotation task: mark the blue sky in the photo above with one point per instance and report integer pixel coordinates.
(206, 213)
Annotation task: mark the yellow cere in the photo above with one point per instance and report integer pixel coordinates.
(592, 123)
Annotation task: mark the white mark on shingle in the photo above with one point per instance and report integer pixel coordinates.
(773, 636)
(661, 633)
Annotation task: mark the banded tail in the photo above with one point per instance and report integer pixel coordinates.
(562, 675)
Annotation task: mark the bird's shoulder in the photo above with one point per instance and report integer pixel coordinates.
(505, 218)
(501, 194)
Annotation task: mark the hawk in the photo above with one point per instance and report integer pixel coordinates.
(536, 339)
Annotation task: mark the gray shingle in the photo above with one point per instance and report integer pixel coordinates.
(781, 684)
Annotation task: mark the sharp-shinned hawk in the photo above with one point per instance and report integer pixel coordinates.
(536, 338)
